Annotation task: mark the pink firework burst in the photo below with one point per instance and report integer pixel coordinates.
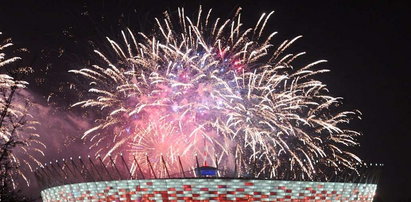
(219, 90)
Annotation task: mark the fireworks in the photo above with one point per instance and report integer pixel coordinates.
(218, 90)
(18, 139)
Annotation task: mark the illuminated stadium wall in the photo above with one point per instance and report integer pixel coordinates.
(210, 190)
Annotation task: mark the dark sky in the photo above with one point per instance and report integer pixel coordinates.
(365, 42)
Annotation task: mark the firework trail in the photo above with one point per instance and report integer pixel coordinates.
(219, 90)
(19, 141)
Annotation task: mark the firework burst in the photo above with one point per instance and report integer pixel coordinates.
(19, 141)
(219, 90)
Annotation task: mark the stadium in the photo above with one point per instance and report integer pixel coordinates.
(89, 179)
(266, 129)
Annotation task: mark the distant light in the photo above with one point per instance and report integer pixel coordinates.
(174, 108)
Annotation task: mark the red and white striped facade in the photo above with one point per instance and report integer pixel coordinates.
(210, 189)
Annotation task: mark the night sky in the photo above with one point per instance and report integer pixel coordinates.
(365, 42)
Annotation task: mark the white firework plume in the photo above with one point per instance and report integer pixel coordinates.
(19, 142)
(222, 90)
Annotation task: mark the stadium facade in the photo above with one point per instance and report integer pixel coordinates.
(210, 190)
(77, 181)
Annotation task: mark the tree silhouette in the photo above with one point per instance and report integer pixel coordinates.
(18, 140)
